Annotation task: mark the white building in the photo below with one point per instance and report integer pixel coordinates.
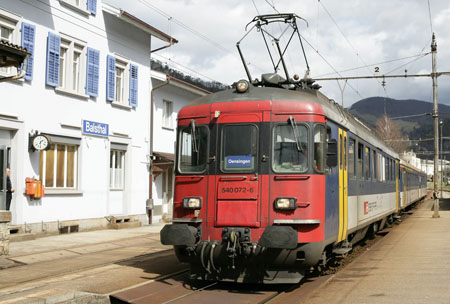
(425, 165)
(169, 96)
(88, 90)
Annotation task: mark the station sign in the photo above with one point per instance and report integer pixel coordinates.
(95, 128)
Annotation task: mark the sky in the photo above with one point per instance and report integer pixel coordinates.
(355, 35)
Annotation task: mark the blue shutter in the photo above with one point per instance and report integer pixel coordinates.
(92, 6)
(28, 32)
(92, 71)
(110, 77)
(133, 85)
(53, 49)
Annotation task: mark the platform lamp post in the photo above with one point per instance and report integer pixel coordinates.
(441, 124)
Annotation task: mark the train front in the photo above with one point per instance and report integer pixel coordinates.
(249, 203)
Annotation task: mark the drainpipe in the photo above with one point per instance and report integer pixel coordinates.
(150, 188)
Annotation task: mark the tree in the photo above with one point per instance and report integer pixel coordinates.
(390, 132)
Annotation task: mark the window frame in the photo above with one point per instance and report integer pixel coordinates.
(167, 120)
(179, 146)
(113, 160)
(374, 167)
(75, 170)
(360, 161)
(12, 22)
(222, 152)
(81, 7)
(308, 159)
(353, 161)
(66, 77)
(324, 156)
(125, 64)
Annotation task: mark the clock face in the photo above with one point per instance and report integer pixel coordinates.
(40, 142)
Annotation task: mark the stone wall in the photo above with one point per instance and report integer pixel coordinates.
(5, 219)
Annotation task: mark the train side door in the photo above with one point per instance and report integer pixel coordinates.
(343, 186)
(397, 194)
(405, 193)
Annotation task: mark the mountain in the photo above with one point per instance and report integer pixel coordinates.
(414, 118)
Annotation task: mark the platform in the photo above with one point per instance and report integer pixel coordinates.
(409, 265)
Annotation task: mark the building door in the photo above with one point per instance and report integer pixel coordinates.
(3, 164)
(116, 181)
(167, 186)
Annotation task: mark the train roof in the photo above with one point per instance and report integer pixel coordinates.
(333, 110)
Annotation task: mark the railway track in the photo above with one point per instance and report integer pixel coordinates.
(178, 288)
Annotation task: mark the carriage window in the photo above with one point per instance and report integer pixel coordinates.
(380, 171)
(351, 158)
(239, 148)
(319, 147)
(360, 161)
(290, 154)
(193, 149)
(374, 167)
(386, 174)
(367, 163)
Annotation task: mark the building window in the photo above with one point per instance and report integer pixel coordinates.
(8, 32)
(167, 114)
(59, 166)
(83, 6)
(71, 66)
(121, 82)
(117, 169)
(67, 68)
(120, 75)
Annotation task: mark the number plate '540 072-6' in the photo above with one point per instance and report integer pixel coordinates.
(237, 190)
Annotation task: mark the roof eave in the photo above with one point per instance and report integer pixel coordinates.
(136, 22)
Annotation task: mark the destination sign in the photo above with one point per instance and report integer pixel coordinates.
(239, 161)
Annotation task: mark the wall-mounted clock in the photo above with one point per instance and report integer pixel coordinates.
(40, 142)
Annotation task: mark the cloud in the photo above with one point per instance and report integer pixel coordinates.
(367, 32)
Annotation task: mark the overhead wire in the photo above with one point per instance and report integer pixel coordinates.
(329, 64)
(186, 27)
(374, 64)
(191, 30)
(318, 53)
(349, 43)
(409, 62)
(98, 30)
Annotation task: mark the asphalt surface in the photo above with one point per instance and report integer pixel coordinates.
(409, 265)
(51, 269)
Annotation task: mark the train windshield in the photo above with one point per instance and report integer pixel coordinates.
(288, 157)
(193, 149)
(239, 148)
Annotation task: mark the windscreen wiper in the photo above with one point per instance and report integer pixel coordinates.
(296, 136)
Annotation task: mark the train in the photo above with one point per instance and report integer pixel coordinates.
(273, 178)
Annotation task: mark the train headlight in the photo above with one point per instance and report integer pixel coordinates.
(286, 203)
(192, 202)
(242, 86)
